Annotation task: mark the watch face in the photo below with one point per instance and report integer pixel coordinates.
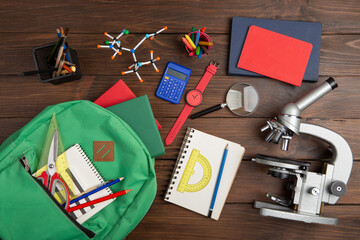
(194, 98)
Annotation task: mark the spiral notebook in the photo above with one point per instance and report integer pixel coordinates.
(85, 176)
(196, 170)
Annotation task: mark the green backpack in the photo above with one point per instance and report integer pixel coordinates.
(27, 211)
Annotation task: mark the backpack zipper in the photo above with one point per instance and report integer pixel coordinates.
(88, 232)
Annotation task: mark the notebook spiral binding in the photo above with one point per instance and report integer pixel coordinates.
(179, 161)
(90, 164)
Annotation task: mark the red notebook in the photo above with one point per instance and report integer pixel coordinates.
(275, 55)
(118, 93)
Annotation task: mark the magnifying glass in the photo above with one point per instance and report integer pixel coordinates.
(242, 99)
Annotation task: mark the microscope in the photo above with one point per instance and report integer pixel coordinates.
(309, 190)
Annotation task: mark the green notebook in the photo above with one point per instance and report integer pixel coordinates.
(138, 114)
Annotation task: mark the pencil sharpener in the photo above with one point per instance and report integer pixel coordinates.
(41, 54)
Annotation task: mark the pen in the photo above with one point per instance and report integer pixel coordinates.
(95, 190)
(218, 180)
(114, 195)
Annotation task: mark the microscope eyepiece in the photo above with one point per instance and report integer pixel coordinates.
(332, 83)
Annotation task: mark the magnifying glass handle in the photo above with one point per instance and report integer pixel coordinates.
(207, 111)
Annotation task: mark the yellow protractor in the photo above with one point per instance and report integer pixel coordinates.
(184, 185)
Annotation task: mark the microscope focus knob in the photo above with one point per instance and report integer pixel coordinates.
(338, 188)
(315, 191)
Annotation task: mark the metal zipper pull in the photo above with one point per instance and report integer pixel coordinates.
(25, 163)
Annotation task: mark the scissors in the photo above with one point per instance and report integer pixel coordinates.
(50, 178)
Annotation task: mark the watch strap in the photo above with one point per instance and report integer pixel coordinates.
(210, 71)
(178, 124)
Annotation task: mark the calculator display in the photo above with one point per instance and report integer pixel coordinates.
(176, 74)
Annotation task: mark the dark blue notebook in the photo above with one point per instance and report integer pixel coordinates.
(306, 31)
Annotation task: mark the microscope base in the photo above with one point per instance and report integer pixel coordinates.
(274, 210)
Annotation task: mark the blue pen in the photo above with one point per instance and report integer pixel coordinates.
(95, 190)
(197, 38)
(218, 180)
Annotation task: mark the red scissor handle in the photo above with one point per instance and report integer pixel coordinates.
(44, 178)
(54, 179)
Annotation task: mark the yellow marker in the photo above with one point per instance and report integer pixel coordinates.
(190, 41)
(204, 43)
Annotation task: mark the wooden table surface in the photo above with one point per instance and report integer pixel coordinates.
(27, 24)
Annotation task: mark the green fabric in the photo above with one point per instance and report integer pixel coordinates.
(27, 212)
(138, 114)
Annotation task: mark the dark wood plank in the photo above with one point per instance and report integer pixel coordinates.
(142, 16)
(242, 221)
(340, 54)
(33, 96)
(252, 182)
(244, 131)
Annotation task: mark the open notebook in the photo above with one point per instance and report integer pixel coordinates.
(195, 174)
(85, 176)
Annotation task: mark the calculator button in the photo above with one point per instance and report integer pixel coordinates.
(166, 77)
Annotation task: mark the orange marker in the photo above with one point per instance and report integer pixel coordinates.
(187, 44)
(205, 43)
(67, 68)
(203, 29)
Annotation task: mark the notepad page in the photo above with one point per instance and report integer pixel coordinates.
(212, 148)
(85, 176)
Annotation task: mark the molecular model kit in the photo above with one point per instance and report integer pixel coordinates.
(115, 45)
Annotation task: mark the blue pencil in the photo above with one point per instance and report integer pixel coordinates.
(95, 190)
(218, 180)
(197, 38)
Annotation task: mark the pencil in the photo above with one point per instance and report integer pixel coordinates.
(51, 56)
(60, 67)
(114, 195)
(218, 180)
(92, 191)
(60, 53)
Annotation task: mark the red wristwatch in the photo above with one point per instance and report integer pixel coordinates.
(193, 98)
